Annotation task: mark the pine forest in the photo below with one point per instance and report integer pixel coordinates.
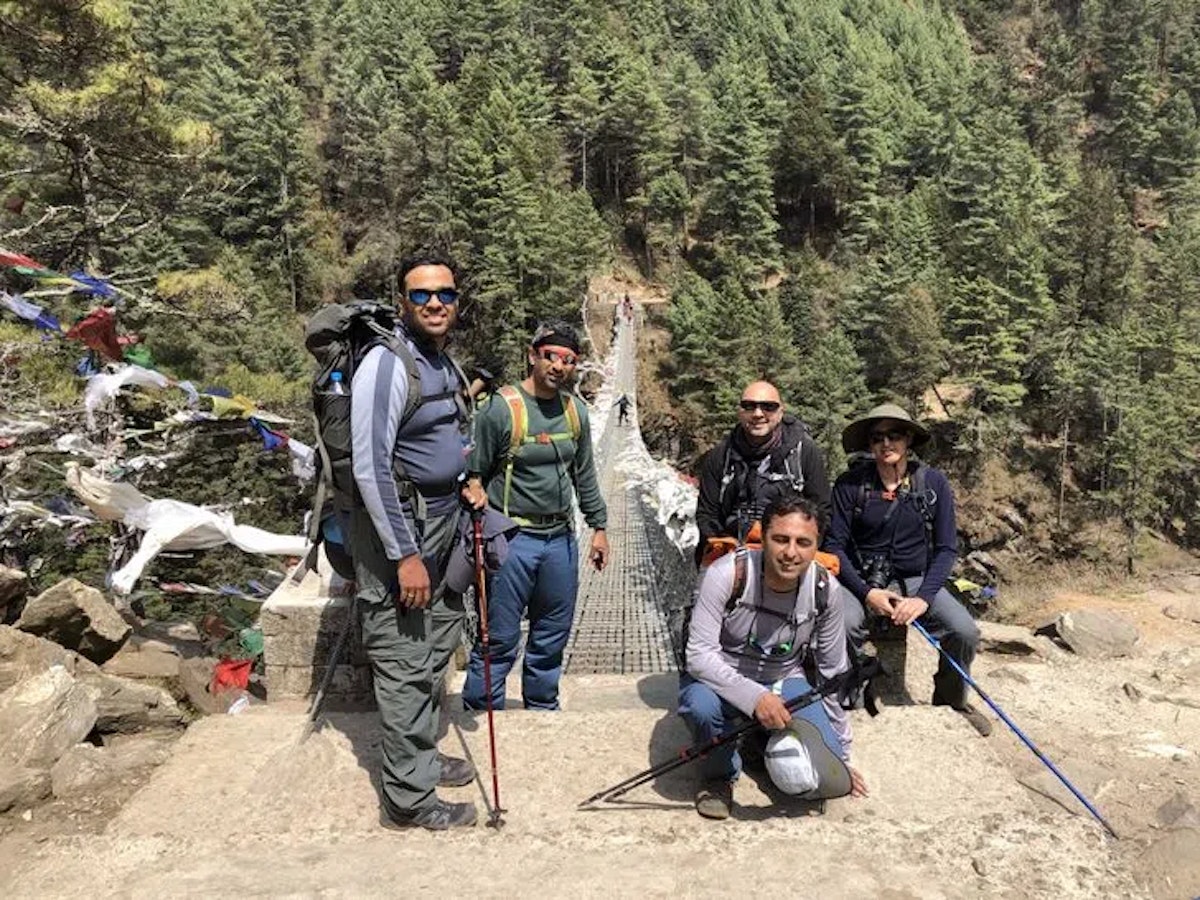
(986, 209)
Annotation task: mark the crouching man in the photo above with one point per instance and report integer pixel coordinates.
(757, 614)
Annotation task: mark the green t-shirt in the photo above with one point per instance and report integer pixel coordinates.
(544, 473)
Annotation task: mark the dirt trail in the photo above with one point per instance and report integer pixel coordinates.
(241, 807)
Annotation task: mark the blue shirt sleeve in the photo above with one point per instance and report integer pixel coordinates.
(378, 395)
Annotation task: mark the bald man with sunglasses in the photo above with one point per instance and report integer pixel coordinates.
(768, 454)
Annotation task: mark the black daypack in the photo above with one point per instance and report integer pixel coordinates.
(339, 336)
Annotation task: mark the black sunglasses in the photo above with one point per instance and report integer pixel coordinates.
(421, 296)
(767, 406)
(895, 436)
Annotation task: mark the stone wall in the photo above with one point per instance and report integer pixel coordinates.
(301, 624)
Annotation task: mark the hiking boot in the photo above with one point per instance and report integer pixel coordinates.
(978, 720)
(715, 800)
(439, 817)
(455, 772)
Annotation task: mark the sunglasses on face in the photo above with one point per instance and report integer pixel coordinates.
(553, 356)
(767, 406)
(878, 437)
(421, 296)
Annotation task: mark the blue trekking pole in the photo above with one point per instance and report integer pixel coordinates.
(1017, 731)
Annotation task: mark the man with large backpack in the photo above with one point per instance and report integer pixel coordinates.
(533, 454)
(894, 534)
(758, 614)
(767, 455)
(410, 435)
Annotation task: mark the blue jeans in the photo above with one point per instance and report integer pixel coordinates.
(708, 717)
(541, 575)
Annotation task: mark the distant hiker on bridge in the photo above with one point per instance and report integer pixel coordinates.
(409, 467)
(767, 454)
(894, 533)
(627, 309)
(533, 450)
(623, 403)
(756, 616)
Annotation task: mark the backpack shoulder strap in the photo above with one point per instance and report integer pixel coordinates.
(727, 469)
(571, 412)
(518, 428)
(741, 565)
(399, 346)
(794, 464)
(821, 591)
(518, 417)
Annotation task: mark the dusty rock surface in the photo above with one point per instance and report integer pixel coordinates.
(42, 717)
(1096, 633)
(948, 804)
(77, 617)
(1014, 640)
(86, 767)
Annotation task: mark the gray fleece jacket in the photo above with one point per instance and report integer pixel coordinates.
(726, 652)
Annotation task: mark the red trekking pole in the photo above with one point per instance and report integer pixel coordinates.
(494, 819)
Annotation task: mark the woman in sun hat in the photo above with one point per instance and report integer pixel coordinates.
(893, 530)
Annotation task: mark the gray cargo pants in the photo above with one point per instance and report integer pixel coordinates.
(410, 651)
(946, 619)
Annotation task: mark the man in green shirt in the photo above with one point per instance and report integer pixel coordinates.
(533, 454)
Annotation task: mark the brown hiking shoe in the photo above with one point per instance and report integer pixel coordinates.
(715, 799)
(978, 720)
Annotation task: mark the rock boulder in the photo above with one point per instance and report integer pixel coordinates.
(123, 706)
(1186, 609)
(145, 658)
(23, 655)
(22, 787)
(1096, 634)
(87, 767)
(43, 717)
(77, 617)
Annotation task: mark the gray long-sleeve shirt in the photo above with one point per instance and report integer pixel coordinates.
(721, 655)
(430, 446)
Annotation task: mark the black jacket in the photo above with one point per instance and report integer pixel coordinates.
(747, 492)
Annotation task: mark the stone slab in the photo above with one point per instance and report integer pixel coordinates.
(301, 624)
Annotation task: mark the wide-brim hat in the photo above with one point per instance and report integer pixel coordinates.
(856, 436)
(811, 728)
